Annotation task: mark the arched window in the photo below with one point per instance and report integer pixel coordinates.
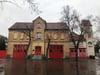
(89, 43)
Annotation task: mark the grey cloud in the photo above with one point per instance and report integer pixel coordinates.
(50, 11)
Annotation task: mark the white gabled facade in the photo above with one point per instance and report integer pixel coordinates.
(89, 39)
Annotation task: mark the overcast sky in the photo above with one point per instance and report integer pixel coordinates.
(51, 11)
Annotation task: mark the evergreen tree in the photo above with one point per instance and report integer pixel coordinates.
(97, 47)
(2, 44)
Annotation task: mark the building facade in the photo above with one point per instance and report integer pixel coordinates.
(60, 45)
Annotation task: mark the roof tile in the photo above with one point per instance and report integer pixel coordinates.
(56, 26)
(20, 25)
(49, 26)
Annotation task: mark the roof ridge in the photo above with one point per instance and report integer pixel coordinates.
(55, 22)
(23, 22)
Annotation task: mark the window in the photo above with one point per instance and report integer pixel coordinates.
(89, 43)
(61, 50)
(27, 37)
(50, 46)
(57, 50)
(25, 47)
(71, 43)
(39, 25)
(50, 50)
(18, 48)
(71, 50)
(15, 48)
(89, 35)
(15, 36)
(80, 50)
(54, 47)
(38, 35)
(81, 43)
(21, 47)
(22, 36)
(83, 50)
(54, 50)
(61, 47)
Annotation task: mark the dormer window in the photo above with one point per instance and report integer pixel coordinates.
(39, 25)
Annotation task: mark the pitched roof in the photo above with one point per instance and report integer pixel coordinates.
(58, 26)
(49, 26)
(76, 37)
(20, 25)
(86, 23)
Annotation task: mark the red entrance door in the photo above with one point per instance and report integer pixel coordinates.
(56, 51)
(37, 50)
(19, 50)
(72, 53)
(82, 52)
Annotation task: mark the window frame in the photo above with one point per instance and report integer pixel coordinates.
(39, 25)
(38, 35)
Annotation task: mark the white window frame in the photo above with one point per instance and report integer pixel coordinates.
(38, 35)
(39, 25)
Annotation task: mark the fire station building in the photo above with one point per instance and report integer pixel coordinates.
(60, 44)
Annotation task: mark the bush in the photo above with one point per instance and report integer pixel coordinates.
(8, 56)
(30, 56)
(44, 57)
(92, 57)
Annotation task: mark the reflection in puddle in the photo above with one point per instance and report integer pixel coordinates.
(2, 64)
(55, 67)
(47, 67)
(98, 67)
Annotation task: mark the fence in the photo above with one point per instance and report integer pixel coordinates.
(2, 53)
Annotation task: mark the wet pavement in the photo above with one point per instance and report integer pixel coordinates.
(48, 67)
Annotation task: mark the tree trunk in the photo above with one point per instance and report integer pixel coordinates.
(27, 48)
(77, 64)
(48, 47)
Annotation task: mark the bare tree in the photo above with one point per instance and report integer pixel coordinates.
(49, 40)
(28, 33)
(73, 22)
(97, 21)
(30, 4)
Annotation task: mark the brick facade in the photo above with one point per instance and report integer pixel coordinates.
(57, 32)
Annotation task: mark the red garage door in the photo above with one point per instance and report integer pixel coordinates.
(72, 53)
(19, 50)
(56, 51)
(82, 52)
